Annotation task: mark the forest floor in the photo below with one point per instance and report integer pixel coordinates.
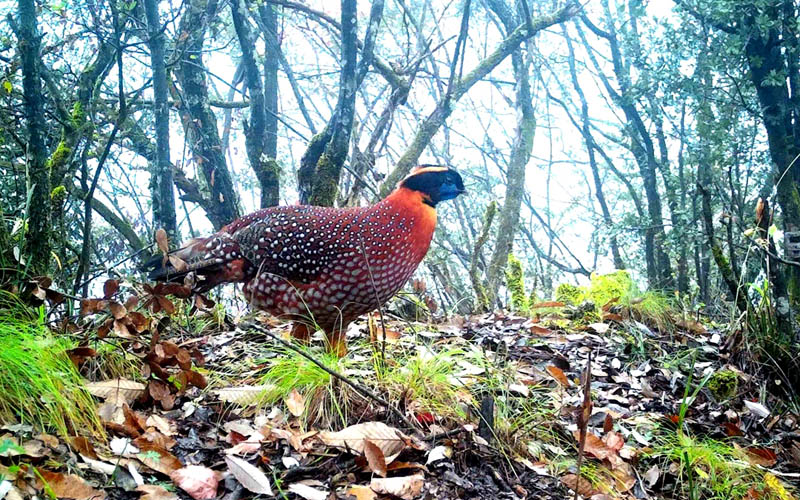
(487, 406)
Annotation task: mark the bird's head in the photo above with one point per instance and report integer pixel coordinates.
(436, 183)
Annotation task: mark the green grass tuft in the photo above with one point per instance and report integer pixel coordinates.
(429, 381)
(39, 385)
(327, 401)
(710, 469)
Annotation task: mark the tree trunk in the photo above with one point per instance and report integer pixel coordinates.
(161, 182)
(200, 125)
(329, 166)
(765, 57)
(37, 237)
(659, 269)
(270, 186)
(508, 218)
(585, 128)
(264, 166)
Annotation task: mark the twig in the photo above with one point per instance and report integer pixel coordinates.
(583, 419)
(377, 301)
(773, 256)
(116, 264)
(355, 385)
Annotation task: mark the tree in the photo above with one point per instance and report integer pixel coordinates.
(37, 238)
(521, 148)
(766, 35)
(219, 200)
(161, 182)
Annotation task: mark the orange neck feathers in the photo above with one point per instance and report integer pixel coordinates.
(411, 203)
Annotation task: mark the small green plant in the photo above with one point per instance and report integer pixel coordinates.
(723, 384)
(39, 385)
(607, 287)
(327, 401)
(618, 289)
(429, 380)
(570, 294)
(710, 469)
(515, 282)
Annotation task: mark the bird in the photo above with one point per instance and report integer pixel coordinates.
(320, 266)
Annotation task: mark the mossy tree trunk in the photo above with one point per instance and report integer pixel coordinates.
(329, 166)
(37, 237)
(162, 188)
(780, 107)
(261, 157)
(482, 297)
(199, 122)
(705, 126)
(521, 149)
(270, 180)
(322, 163)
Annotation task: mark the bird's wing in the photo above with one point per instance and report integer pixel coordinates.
(298, 243)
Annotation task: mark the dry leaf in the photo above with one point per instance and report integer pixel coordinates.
(110, 287)
(390, 440)
(599, 449)
(162, 424)
(198, 481)
(251, 445)
(613, 317)
(69, 486)
(652, 475)
(757, 409)
(155, 492)
(542, 305)
(117, 389)
(249, 476)
(600, 328)
(362, 493)
(375, 458)
(83, 446)
(406, 487)
(582, 486)
(558, 374)
(761, 456)
(161, 241)
(540, 330)
(158, 459)
(243, 395)
(307, 492)
(178, 263)
(296, 403)
(117, 310)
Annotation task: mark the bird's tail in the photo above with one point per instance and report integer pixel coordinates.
(212, 260)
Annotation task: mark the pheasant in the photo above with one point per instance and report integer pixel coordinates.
(322, 266)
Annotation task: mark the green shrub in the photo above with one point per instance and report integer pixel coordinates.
(606, 287)
(570, 294)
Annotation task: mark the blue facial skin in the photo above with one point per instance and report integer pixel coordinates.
(448, 191)
(437, 185)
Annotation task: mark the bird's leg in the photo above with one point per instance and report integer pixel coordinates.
(335, 341)
(301, 332)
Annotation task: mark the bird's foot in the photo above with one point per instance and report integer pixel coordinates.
(302, 332)
(336, 344)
